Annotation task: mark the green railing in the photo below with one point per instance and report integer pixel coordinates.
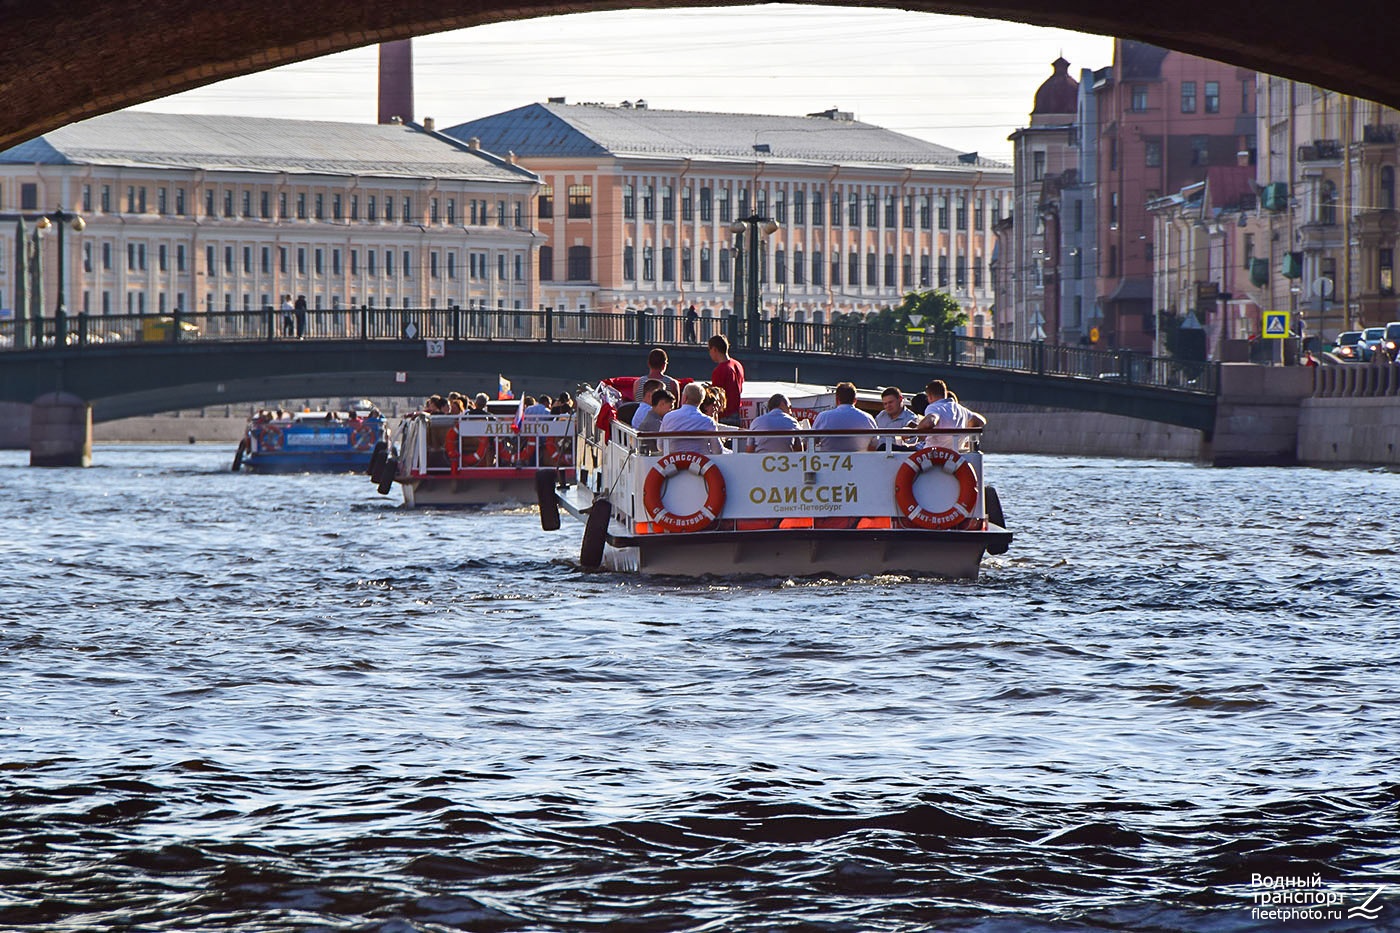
(857, 341)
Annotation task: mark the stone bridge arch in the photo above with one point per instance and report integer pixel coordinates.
(65, 60)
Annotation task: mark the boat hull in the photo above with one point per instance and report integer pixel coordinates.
(327, 462)
(806, 552)
(468, 491)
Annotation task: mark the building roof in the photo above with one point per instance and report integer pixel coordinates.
(1230, 186)
(558, 129)
(1059, 94)
(134, 138)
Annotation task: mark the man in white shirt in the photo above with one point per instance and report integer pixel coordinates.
(778, 417)
(943, 411)
(689, 418)
(844, 417)
(894, 415)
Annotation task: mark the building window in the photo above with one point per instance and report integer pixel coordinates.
(248, 259)
(853, 269)
(943, 210)
(1385, 259)
(301, 207)
(1387, 188)
(925, 271)
(580, 208)
(180, 257)
(668, 264)
(780, 267)
(408, 210)
(407, 264)
(546, 261)
(1200, 150)
(336, 266)
(961, 214)
(726, 211)
(942, 271)
(872, 268)
(726, 265)
(106, 199)
(1188, 97)
(648, 203)
(1327, 204)
(707, 273)
(228, 202)
(687, 265)
(960, 281)
(818, 207)
(872, 211)
(668, 203)
(1212, 97)
(706, 207)
(519, 267)
(87, 198)
(780, 207)
(1037, 165)
(818, 267)
(544, 204)
(648, 264)
(629, 263)
(1139, 101)
(211, 265)
(580, 262)
(1152, 152)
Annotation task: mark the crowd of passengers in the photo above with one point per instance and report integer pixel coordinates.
(662, 405)
(456, 403)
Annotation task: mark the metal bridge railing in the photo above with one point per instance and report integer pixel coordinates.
(858, 341)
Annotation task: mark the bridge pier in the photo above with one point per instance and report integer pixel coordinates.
(60, 431)
(1256, 415)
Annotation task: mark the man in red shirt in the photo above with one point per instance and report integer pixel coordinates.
(729, 376)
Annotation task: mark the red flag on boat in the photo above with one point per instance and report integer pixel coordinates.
(519, 419)
(503, 387)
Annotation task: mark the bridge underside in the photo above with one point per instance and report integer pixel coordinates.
(165, 378)
(58, 53)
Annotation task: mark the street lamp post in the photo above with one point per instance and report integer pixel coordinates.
(753, 229)
(62, 219)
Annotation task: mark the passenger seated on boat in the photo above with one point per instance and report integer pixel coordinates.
(896, 416)
(649, 388)
(689, 418)
(625, 411)
(563, 405)
(844, 417)
(944, 411)
(662, 401)
(778, 417)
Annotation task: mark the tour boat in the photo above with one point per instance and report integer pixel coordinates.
(467, 459)
(920, 508)
(310, 441)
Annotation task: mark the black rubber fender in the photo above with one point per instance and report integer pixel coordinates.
(545, 481)
(381, 453)
(386, 477)
(595, 534)
(995, 516)
(238, 455)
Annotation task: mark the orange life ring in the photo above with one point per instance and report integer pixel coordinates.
(465, 458)
(655, 484)
(558, 451)
(362, 437)
(518, 451)
(269, 437)
(951, 462)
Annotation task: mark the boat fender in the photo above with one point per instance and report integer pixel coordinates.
(545, 481)
(951, 462)
(376, 459)
(595, 534)
(243, 446)
(269, 437)
(387, 473)
(996, 517)
(655, 484)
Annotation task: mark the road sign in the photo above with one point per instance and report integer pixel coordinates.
(436, 348)
(916, 319)
(1275, 324)
(1093, 335)
(916, 336)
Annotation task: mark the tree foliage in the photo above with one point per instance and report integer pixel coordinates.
(940, 312)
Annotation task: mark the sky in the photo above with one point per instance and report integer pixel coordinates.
(960, 82)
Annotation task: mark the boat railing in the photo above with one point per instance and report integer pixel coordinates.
(471, 445)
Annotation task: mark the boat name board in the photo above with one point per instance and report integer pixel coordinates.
(317, 437)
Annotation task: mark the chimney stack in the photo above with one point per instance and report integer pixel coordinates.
(396, 81)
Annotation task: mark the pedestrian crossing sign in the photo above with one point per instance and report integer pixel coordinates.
(1275, 324)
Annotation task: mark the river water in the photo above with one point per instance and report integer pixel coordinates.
(235, 702)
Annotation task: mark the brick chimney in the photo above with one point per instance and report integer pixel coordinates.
(396, 81)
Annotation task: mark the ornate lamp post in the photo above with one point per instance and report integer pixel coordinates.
(62, 220)
(752, 229)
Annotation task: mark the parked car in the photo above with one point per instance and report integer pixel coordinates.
(1349, 346)
(1392, 339)
(1372, 337)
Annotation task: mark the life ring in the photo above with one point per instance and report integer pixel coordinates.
(558, 451)
(519, 451)
(469, 457)
(269, 437)
(951, 462)
(655, 484)
(362, 437)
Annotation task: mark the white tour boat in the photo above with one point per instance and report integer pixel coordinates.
(472, 459)
(649, 504)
